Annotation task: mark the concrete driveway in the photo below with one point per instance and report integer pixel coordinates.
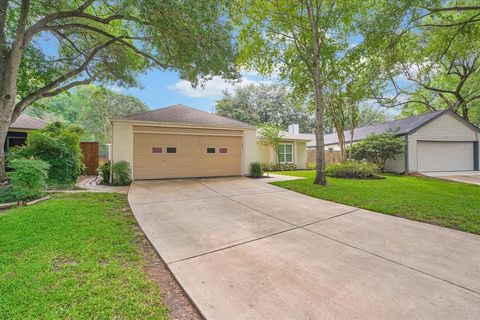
(470, 177)
(244, 249)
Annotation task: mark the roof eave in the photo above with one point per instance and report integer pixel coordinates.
(179, 124)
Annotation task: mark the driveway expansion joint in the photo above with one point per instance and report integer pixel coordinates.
(393, 261)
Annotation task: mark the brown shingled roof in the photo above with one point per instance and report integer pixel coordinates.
(27, 122)
(185, 115)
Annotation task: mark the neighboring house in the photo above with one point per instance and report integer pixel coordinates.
(19, 129)
(291, 148)
(436, 141)
(179, 141)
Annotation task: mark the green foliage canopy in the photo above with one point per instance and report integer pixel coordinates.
(59, 146)
(265, 103)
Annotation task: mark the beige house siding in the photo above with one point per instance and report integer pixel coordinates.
(122, 142)
(250, 152)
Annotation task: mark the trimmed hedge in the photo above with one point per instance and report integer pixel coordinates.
(256, 169)
(353, 170)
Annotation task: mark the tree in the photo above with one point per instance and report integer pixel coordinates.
(435, 62)
(270, 136)
(303, 41)
(378, 148)
(294, 38)
(104, 41)
(369, 114)
(265, 103)
(90, 107)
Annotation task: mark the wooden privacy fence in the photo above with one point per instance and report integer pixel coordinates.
(90, 157)
(331, 156)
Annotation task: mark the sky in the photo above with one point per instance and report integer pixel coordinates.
(164, 88)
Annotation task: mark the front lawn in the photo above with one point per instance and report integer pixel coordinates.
(76, 256)
(449, 204)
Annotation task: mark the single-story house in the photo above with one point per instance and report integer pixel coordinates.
(179, 142)
(436, 141)
(19, 129)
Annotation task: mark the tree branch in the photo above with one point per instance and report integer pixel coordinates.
(53, 86)
(120, 39)
(3, 21)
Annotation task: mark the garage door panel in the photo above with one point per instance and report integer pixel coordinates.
(445, 156)
(191, 158)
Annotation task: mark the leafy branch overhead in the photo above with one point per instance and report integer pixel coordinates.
(108, 41)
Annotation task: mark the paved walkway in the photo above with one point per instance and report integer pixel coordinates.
(244, 249)
(470, 177)
(92, 184)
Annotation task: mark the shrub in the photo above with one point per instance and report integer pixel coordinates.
(28, 178)
(59, 146)
(121, 173)
(353, 170)
(284, 167)
(256, 169)
(105, 172)
(378, 148)
(311, 166)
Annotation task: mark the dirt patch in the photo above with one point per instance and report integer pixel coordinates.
(179, 306)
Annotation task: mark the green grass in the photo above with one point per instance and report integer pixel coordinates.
(76, 256)
(449, 204)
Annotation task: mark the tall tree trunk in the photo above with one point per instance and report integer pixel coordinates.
(312, 10)
(320, 177)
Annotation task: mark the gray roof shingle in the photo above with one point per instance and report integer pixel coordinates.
(27, 122)
(402, 126)
(186, 115)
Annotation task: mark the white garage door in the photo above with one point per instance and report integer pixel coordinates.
(445, 156)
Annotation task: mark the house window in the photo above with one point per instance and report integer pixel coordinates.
(171, 150)
(210, 150)
(222, 150)
(157, 150)
(285, 152)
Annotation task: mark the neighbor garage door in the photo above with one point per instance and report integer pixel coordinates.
(445, 156)
(157, 156)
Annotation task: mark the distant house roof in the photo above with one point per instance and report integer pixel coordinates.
(400, 127)
(182, 114)
(299, 136)
(27, 122)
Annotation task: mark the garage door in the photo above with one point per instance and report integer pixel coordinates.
(445, 156)
(158, 156)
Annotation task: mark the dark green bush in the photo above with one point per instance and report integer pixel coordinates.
(353, 170)
(59, 146)
(104, 172)
(121, 173)
(29, 178)
(256, 169)
(378, 148)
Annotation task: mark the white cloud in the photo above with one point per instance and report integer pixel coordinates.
(115, 88)
(214, 87)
